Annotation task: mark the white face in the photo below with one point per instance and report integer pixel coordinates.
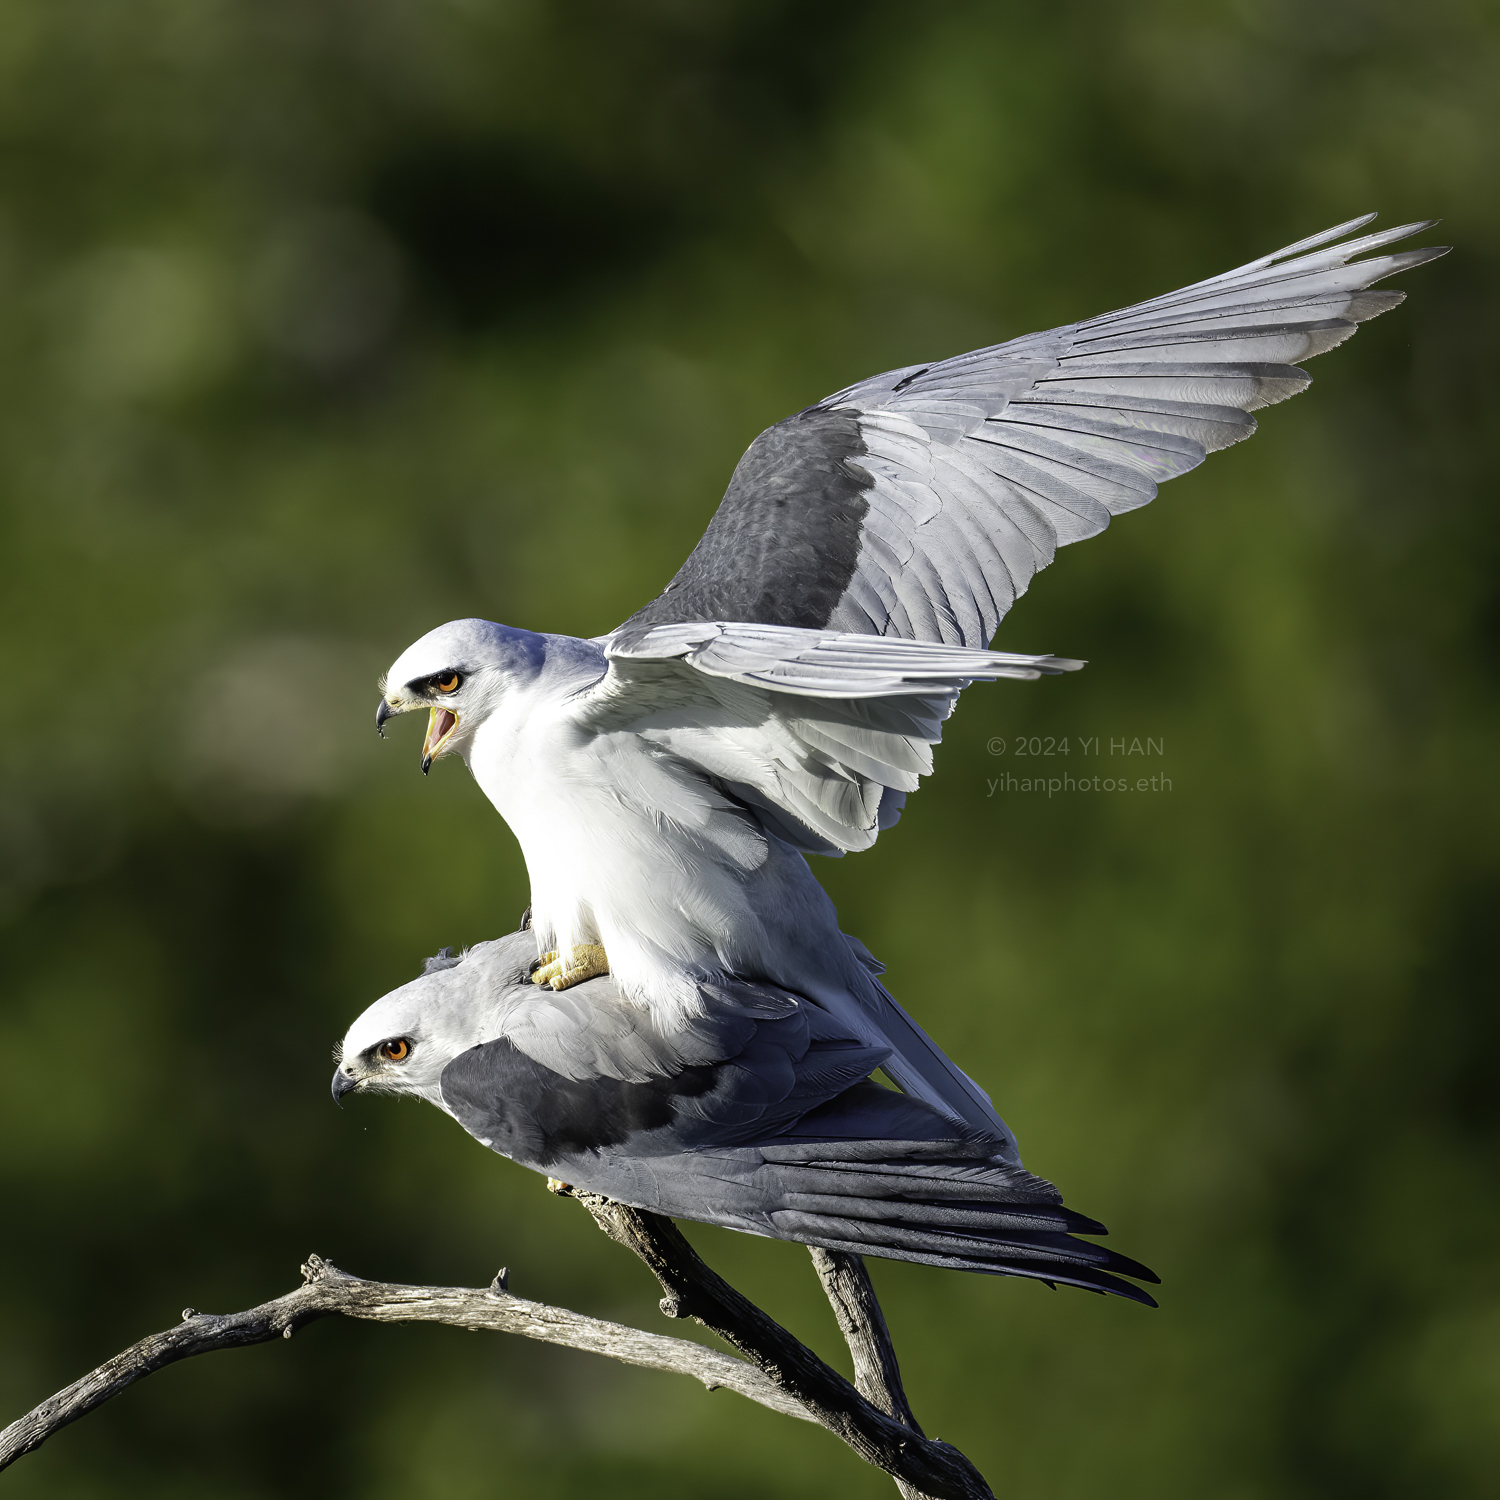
(457, 672)
(402, 1043)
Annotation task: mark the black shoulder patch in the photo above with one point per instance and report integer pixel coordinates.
(783, 544)
(534, 1116)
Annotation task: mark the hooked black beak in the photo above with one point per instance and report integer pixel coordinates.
(343, 1083)
(384, 712)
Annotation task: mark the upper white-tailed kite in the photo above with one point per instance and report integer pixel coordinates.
(782, 695)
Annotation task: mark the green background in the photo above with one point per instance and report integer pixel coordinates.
(322, 323)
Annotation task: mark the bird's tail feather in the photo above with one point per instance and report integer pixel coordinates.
(942, 1204)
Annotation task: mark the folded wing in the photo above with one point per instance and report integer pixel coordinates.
(760, 1116)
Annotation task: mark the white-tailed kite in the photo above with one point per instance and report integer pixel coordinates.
(782, 695)
(757, 1114)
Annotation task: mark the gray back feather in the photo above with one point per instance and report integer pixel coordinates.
(592, 1031)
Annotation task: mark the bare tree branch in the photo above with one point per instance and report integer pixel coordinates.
(877, 1376)
(777, 1371)
(328, 1290)
(693, 1290)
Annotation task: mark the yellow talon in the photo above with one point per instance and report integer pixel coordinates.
(572, 966)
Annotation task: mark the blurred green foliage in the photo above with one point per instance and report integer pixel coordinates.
(324, 322)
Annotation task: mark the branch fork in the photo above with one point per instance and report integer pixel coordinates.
(775, 1369)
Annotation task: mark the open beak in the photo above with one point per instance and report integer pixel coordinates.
(441, 724)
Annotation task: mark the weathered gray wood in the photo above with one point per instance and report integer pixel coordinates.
(328, 1290)
(777, 1371)
(877, 1376)
(692, 1290)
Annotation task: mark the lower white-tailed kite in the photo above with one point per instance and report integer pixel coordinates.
(756, 1114)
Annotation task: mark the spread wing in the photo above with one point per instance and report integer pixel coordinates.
(823, 734)
(921, 502)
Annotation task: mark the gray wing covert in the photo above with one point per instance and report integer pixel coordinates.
(921, 502)
(823, 734)
(757, 1061)
(591, 1031)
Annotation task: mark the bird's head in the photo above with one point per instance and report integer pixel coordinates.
(457, 672)
(402, 1043)
(391, 1049)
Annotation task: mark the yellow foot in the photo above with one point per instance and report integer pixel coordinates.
(572, 966)
(558, 1186)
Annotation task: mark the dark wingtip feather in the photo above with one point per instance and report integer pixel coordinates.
(1080, 1223)
(1132, 1293)
(1099, 1282)
(1133, 1268)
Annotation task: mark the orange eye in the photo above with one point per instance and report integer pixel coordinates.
(448, 682)
(396, 1050)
